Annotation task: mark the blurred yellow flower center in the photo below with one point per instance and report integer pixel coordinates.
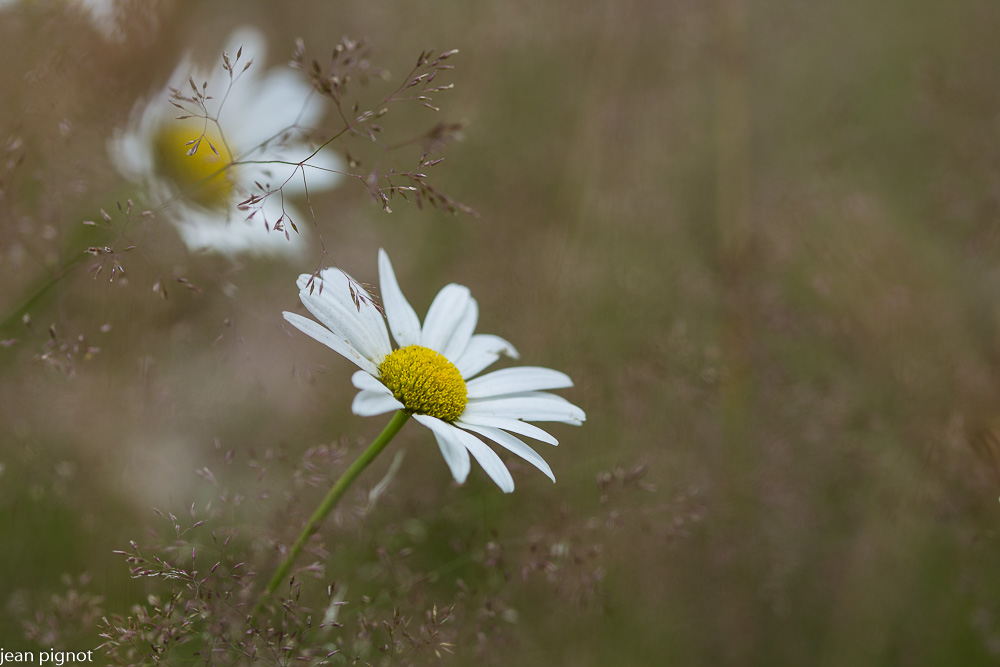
(425, 382)
(186, 156)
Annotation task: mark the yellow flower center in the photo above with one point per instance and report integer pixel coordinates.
(425, 382)
(197, 170)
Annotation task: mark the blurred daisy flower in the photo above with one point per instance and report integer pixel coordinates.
(431, 374)
(219, 152)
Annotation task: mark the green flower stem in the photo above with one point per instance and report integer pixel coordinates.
(338, 489)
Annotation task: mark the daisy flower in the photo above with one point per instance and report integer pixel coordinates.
(200, 171)
(431, 375)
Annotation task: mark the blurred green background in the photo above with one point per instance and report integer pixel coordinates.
(762, 237)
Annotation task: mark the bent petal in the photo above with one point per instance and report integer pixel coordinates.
(488, 459)
(516, 446)
(507, 424)
(454, 452)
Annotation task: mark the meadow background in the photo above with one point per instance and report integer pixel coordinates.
(762, 238)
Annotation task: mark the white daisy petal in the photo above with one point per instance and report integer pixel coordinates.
(544, 395)
(323, 171)
(272, 176)
(371, 403)
(539, 408)
(464, 328)
(507, 424)
(403, 321)
(254, 119)
(331, 314)
(366, 382)
(454, 452)
(486, 457)
(338, 344)
(482, 350)
(285, 173)
(513, 444)
(444, 316)
(131, 153)
(208, 231)
(345, 291)
(513, 380)
(330, 301)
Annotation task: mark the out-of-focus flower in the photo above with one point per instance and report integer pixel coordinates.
(431, 375)
(212, 179)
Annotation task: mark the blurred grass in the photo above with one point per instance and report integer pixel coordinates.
(846, 517)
